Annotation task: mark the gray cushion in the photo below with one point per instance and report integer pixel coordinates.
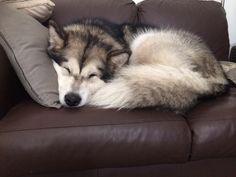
(25, 41)
(39, 9)
(230, 69)
(232, 74)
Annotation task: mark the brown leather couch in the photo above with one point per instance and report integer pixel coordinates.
(41, 142)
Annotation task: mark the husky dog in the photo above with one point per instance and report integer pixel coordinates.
(167, 68)
(86, 55)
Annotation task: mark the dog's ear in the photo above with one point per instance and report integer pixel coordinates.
(57, 36)
(118, 58)
(128, 31)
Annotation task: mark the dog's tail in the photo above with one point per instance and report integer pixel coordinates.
(161, 86)
(116, 94)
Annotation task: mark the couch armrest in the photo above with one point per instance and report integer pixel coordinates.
(233, 54)
(11, 90)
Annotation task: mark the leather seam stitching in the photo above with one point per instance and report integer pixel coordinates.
(137, 123)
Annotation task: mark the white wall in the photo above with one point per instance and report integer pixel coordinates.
(230, 7)
(137, 1)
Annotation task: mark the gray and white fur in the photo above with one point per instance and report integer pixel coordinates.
(168, 68)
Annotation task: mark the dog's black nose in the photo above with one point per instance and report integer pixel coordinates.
(72, 99)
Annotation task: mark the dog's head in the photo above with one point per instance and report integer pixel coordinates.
(85, 58)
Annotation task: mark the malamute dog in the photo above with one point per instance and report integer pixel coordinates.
(121, 66)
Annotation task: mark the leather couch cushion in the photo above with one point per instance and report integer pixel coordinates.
(204, 18)
(34, 139)
(213, 124)
(11, 90)
(202, 168)
(118, 11)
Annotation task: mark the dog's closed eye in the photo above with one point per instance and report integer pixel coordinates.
(68, 70)
(92, 75)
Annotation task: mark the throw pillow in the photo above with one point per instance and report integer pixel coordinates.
(25, 41)
(230, 69)
(39, 9)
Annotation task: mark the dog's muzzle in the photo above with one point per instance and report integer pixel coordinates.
(72, 99)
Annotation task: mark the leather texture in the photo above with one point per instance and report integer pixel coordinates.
(203, 168)
(206, 19)
(122, 11)
(89, 138)
(213, 125)
(11, 90)
(233, 54)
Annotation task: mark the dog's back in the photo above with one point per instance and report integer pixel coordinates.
(168, 68)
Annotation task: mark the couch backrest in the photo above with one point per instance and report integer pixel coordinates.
(204, 18)
(118, 11)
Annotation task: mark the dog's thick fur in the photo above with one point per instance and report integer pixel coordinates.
(168, 68)
(86, 55)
